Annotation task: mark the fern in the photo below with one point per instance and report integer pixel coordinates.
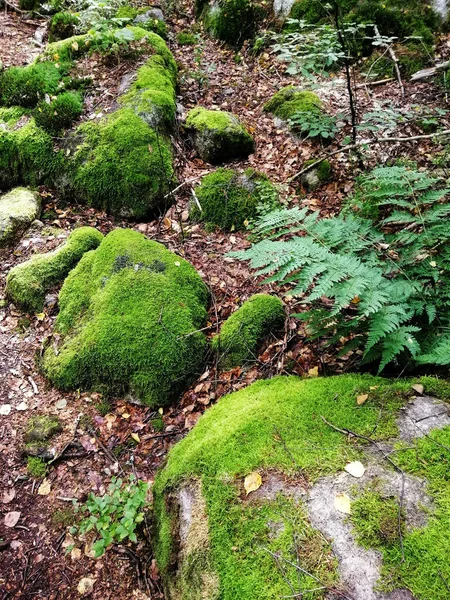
(384, 270)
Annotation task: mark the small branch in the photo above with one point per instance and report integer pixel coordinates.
(350, 147)
(373, 83)
(424, 73)
(393, 58)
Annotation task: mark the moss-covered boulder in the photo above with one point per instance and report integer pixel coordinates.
(40, 428)
(255, 491)
(25, 86)
(218, 136)
(18, 209)
(316, 176)
(62, 25)
(60, 113)
(233, 21)
(229, 199)
(28, 283)
(290, 100)
(129, 321)
(243, 332)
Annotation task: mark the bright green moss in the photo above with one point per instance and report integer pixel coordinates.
(9, 116)
(40, 428)
(243, 332)
(229, 199)
(234, 21)
(67, 50)
(273, 424)
(36, 467)
(129, 319)
(218, 136)
(27, 283)
(288, 101)
(186, 38)
(62, 25)
(122, 166)
(433, 386)
(60, 113)
(25, 86)
(375, 520)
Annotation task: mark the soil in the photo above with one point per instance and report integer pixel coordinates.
(34, 562)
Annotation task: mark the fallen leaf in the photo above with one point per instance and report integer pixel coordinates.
(44, 488)
(252, 482)
(355, 468)
(40, 316)
(135, 437)
(75, 553)
(12, 518)
(361, 399)
(8, 496)
(5, 409)
(61, 404)
(418, 387)
(86, 585)
(22, 406)
(342, 503)
(313, 372)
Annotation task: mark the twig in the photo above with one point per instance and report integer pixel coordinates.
(372, 83)
(393, 57)
(111, 456)
(350, 147)
(346, 431)
(69, 443)
(424, 73)
(180, 186)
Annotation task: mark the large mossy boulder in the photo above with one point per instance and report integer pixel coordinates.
(18, 209)
(218, 136)
(28, 283)
(243, 332)
(233, 21)
(290, 100)
(230, 199)
(248, 504)
(129, 321)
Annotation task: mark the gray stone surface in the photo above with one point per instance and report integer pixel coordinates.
(18, 209)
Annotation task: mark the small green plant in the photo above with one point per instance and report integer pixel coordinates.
(60, 113)
(187, 38)
(314, 124)
(36, 467)
(115, 516)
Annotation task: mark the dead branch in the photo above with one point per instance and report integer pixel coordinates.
(394, 59)
(430, 71)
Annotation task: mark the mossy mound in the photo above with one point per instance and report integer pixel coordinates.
(271, 425)
(26, 86)
(18, 209)
(218, 136)
(233, 21)
(62, 25)
(40, 428)
(129, 320)
(316, 176)
(27, 283)
(230, 199)
(244, 331)
(289, 100)
(60, 113)
(148, 18)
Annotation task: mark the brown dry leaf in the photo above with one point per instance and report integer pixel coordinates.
(355, 468)
(86, 585)
(8, 496)
(252, 482)
(418, 387)
(342, 503)
(12, 518)
(361, 399)
(44, 488)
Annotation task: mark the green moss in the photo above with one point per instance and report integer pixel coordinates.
(122, 166)
(243, 332)
(288, 101)
(273, 424)
(218, 136)
(315, 177)
(234, 21)
(66, 51)
(9, 116)
(323, 169)
(28, 283)
(62, 25)
(25, 86)
(129, 319)
(230, 199)
(40, 428)
(186, 38)
(60, 113)
(36, 467)
(440, 388)
(375, 520)
(127, 12)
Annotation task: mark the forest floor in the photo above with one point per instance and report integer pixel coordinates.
(33, 559)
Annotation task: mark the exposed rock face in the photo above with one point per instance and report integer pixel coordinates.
(18, 209)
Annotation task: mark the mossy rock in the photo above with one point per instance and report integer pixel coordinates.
(18, 209)
(218, 136)
(243, 332)
(62, 26)
(230, 199)
(216, 540)
(25, 86)
(129, 321)
(28, 283)
(316, 176)
(40, 428)
(233, 21)
(60, 113)
(290, 100)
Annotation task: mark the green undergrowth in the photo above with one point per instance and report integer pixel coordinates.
(230, 199)
(129, 321)
(25, 86)
(289, 101)
(10, 115)
(186, 38)
(36, 467)
(243, 332)
(273, 424)
(233, 21)
(28, 283)
(152, 24)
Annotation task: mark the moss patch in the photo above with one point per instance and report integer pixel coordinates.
(234, 21)
(288, 101)
(271, 424)
(230, 199)
(25, 86)
(129, 319)
(60, 113)
(244, 331)
(315, 177)
(218, 136)
(62, 25)
(440, 388)
(36, 467)
(41, 428)
(27, 283)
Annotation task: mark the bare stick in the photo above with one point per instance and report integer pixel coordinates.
(424, 73)
(393, 58)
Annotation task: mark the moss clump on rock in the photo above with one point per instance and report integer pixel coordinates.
(129, 321)
(186, 38)
(18, 209)
(40, 428)
(62, 25)
(145, 17)
(60, 113)
(270, 425)
(218, 136)
(229, 199)
(316, 176)
(10, 116)
(244, 331)
(25, 86)
(233, 21)
(28, 283)
(289, 100)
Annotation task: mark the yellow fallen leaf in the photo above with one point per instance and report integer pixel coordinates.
(44, 488)
(314, 372)
(361, 399)
(135, 437)
(374, 387)
(252, 482)
(342, 503)
(418, 387)
(86, 585)
(355, 468)
(125, 415)
(355, 300)
(160, 410)
(40, 316)
(75, 46)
